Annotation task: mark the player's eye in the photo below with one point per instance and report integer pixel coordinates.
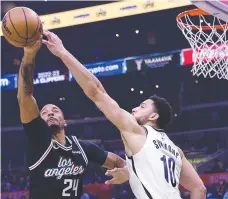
(43, 113)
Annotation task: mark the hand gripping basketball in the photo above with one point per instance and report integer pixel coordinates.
(34, 48)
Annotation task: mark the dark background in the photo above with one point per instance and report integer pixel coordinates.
(200, 105)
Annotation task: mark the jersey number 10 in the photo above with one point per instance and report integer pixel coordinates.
(169, 169)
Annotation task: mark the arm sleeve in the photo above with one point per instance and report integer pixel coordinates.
(39, 139)
(94, 152)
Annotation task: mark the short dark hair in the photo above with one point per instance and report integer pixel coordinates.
(164, 110)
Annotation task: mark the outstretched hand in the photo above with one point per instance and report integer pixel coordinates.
(54, 43)
(120, 175)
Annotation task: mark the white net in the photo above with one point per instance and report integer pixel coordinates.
(208, 38)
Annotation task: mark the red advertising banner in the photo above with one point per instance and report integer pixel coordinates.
(210, 179)
(15, 195)
(210, 53)
(102, 191)
(187, 57)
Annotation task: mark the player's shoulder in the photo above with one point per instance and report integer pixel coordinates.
(153, 132)
(36, 126)
(87, 145)
(73, 139)
(180, 152)
(38, 121)
(151, 128)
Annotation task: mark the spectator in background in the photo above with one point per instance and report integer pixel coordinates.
(226, 193)
(23, 197)
(220, 190)
(85, 196)
(116, 191)
(218, 166)
(92, 196)
(22, 183)
(27, 183)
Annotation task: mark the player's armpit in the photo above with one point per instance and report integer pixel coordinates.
(113, 161)
(190, 180)
(129, 128)
(123, 120)
(27, 103)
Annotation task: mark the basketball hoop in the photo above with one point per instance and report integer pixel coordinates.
(208, 37)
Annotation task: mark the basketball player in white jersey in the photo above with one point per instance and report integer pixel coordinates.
(156, 165)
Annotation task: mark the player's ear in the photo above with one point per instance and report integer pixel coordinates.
(154, 116)
(65, 124)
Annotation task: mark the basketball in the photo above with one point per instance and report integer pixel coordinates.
(21, 26)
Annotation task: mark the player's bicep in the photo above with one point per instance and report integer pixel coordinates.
(28, 109)
(94, 152)
(123, 120)
(189, 178)
(101, 157)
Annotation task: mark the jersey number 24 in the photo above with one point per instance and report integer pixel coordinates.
(169, 169)
(72, 186)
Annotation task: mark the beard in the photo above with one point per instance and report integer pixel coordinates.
(55, 126)
(55, 129)
(140, 121)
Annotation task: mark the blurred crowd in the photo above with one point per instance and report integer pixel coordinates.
(94, 187)
(197, 127)
(15, 185)
(17, 181)
(215, 191)
(14, 180)
(218, 166)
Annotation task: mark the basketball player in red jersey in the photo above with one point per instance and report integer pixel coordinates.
(156, 165)
(57, 161)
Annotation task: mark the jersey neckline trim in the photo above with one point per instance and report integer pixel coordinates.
(156, 129)
(62, 146)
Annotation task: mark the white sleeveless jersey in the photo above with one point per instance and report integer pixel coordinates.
(155, 169)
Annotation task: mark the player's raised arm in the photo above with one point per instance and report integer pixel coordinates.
(190, 180)
(93, 88)
(27, 103)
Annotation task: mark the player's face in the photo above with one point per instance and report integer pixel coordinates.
(145, 112)
(53, 116)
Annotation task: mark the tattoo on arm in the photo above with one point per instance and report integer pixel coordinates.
(27, 103)
(26, 78)
(114, 161)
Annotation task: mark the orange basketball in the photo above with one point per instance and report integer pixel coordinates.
(21, 26)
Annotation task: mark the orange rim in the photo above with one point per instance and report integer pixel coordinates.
(197, 12)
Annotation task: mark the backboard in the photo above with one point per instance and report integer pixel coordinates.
(218, 8)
